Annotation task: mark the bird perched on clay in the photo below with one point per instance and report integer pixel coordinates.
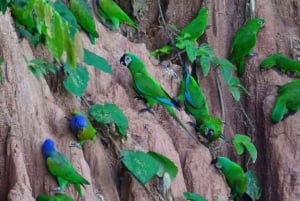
(83, 13)
(244, 42)
(56, 197)
(149, 88)
(111, 15)
(234, 175)
(287, 101)
(195, 29)
(282, 62)
(195, 104)
(62, 168)
(82, 128)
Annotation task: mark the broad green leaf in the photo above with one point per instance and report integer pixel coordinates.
(235, 92)
(3, 5)
(254, 187)
(1, 77)
(98, 62)
(77, 81)
(40, 67)
(194, 196)
(166, 49)
(205, 64)
(243, 141)
(166, 165)
(78, 46)
(67, 15)
(191, 51)
(55, 41)
(70, 49)
(110, 113)
(143, 166)
(205, 49)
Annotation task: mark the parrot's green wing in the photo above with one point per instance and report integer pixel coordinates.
(61, 167)
(151, 89)
(242, 46)
(44, 197)
(63, 197)
(244, 42)
(112, 11)
(84, 16)
(194, 94)
(197, 26)
(56, 197)
(289, 86)
(286, 101)
(234, 175)
(268, 62)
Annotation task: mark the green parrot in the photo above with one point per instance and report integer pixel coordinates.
(83, 13)
(234, 175)
(62, 168)
(244, 42)
(195, 104)
(111, 14)
(282, 62)
(194, 30)
(56, 197)
(82, 127)
(149, 88)
(287, 101)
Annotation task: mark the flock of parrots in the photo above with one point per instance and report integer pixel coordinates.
(149, 89)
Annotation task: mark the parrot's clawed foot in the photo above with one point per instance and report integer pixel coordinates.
(140, 98)
(147, 109)
(291, 74)
(75, 144)
(253, 54)
(56, 189)
(194, 125)
(225, 139)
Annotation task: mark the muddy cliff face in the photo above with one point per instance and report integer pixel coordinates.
(32, 110)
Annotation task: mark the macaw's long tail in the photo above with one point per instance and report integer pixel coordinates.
(279, 111)
(174, 115)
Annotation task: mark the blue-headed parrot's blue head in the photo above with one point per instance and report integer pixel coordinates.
(97, 2)
(78, 122)
(48, 147)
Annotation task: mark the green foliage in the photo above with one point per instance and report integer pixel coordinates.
(166, 49)
(1, 77)
(110, 113)
(4, 5)
(78, 79)
(40, 67)
(254, 187)
(194, 196)
(143, 166)
(241, 142)
(98, 62)
(166, 165)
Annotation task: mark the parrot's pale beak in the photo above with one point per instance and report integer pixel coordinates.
(122, 60)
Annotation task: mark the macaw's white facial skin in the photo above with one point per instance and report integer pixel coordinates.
(125, 60)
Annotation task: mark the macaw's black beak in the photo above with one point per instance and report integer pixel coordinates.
(122, 60)
(214, 161)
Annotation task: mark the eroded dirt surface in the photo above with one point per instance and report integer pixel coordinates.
(32, 110)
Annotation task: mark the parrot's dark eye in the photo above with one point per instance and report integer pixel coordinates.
(209, 132)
